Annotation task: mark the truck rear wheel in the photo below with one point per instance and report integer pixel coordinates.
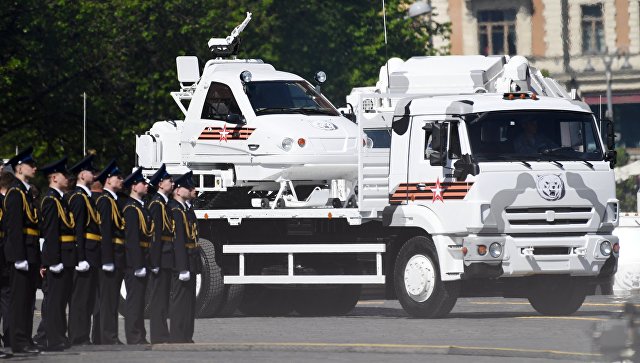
(419, 288)
(558, 296)
(260, 300)
(334, 300)
(210, 290)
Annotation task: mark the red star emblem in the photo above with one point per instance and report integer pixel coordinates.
(437, 192)
(224, 133)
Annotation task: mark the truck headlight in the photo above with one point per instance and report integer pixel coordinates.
(495, 250)
(605, 248)
(287, 144)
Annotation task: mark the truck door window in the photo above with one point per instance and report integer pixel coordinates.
(455, 151)
(219, 103)
(428, 150)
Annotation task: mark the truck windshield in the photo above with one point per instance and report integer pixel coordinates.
(533, 135)
(276, 97)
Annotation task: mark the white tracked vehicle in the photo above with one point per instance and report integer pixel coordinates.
(477, 177)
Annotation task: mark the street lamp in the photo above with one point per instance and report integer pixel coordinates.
(607, 60)
(420, 8)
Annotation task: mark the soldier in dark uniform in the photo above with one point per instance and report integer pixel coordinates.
(186, 262)
(112, 252)
(6, 179)
(138, 232)
(161, 256)
(58, 253)
(22, 252)
(87, 232)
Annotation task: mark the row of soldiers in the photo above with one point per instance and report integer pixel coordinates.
(92, 241)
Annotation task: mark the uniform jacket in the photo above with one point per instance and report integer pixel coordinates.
(21, 225)
(2, 239)
(57, 230)
(161, 250)
(186, 251)
(138, 232)
(111, 230)
(87, 229)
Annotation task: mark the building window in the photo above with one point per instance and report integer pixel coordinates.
(497, 31)
(592, 29)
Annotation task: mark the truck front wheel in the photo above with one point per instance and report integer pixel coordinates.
(419, 288)
(558, 295)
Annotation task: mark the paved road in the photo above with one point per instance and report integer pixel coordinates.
(477, 330)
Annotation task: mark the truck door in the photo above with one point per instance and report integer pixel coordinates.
(435, 146)
(218, 131)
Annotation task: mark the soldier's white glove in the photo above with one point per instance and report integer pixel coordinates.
(56, 268)
(82, 266)
(155, 270)
(140, 272)
(109, 267)
(184, 276)
(22, 265)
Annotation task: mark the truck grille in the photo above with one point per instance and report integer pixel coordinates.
(549, 216)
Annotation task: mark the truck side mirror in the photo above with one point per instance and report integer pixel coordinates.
(611, 135)
(234, 118)
(611, 156)
(438, 140)
(349, 116)
(465, 166)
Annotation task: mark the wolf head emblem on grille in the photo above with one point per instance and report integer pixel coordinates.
(550, 187)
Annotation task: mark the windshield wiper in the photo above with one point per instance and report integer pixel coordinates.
(556, 152)
(268, 110)
(320, 111)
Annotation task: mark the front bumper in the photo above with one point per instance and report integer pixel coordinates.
(525, 256)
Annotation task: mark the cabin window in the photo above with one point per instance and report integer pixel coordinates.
(220, 103)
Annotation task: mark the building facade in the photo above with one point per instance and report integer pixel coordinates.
(575, 41)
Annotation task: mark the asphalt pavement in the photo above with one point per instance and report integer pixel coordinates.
(477, 330)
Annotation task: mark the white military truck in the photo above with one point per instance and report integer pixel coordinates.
(473, 176)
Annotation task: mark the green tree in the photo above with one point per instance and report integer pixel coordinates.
(122, 54)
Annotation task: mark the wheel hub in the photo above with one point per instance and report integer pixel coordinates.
(419, 278)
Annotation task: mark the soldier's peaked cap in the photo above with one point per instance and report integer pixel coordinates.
(59, 166)
(134, 178)
(84, 164)
(185, 181)
(23, 157)
(110, 170)
(159, 176)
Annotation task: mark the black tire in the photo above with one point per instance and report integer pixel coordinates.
(425, 299)
(328, 301)
(233, 295)
(558, 296)
(260, 300)
(210, 295)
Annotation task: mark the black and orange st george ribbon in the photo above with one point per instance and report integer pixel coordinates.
(410, 191)
(220, 133)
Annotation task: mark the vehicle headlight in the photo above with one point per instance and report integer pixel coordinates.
(246, 76)
(320, 77)
(605, 248)
(495, 250)
(287, 144)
